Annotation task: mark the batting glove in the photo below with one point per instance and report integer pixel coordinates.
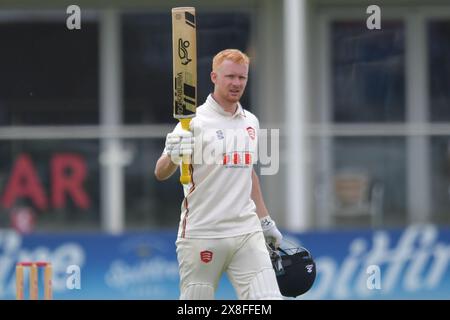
(179, 143)
(271, 233)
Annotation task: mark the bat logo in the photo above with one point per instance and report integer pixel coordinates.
(182, 51)
(179, 93)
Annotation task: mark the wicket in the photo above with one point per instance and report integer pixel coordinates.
(34, 286)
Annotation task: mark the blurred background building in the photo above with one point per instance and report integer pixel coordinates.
(364, 115)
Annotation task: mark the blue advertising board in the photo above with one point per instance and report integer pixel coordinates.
(410, 263)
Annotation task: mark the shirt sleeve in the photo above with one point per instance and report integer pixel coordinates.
(256, 124)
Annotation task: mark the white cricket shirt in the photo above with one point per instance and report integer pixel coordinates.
(218, 202)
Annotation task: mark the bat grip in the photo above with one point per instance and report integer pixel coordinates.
(185, 177)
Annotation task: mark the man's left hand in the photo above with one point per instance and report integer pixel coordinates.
(271, 233)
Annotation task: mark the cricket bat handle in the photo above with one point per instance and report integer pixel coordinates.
(185, 177)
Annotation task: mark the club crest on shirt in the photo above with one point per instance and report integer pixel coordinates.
(206, 256)
(251, 133)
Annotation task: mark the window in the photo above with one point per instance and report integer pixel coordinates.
(381, 161)
(368, 79)
(439, 70)
(440, 179)
(49, 75)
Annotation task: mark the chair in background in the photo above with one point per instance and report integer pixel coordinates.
(357, 195)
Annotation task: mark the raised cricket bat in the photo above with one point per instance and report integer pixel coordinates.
(184, 45)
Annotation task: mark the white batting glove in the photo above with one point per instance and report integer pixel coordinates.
(179, 143)
(271, 233)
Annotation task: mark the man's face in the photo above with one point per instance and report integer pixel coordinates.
(230, 80)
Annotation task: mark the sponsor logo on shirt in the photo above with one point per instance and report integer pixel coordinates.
(219, 134)
(237, 159)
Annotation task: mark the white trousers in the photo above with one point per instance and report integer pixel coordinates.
(245, 259)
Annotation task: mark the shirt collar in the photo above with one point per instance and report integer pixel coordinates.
(217, 108)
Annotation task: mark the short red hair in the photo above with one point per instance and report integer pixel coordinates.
(235, 55)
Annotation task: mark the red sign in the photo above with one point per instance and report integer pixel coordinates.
(68, 174)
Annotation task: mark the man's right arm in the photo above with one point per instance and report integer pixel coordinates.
(165, 167)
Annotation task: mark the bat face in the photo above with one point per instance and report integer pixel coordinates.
(184, 62)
